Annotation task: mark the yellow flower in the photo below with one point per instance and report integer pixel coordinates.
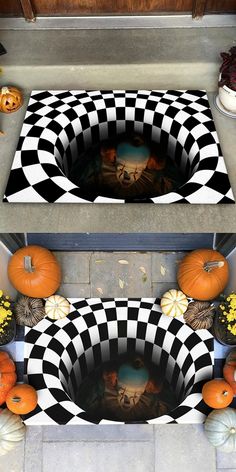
(7, 297)
(3, 314)
(230, 317)
(232, 329)
(7, 304)
(1, 293)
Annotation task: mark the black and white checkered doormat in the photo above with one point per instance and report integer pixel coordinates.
(59, 125)
(59, 355)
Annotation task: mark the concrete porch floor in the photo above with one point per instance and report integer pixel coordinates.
(144, 448)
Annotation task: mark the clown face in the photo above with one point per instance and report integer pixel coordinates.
(131, 384)
(131, 160)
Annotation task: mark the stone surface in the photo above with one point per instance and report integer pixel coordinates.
(183, 447)
(74, 266)
(13, 461)
(225, 461)
(158, 288)
(33, 449)
(116, 46)
(75, 290)
(131, 277)
(99, 457)
(98, 433)
(165, 266)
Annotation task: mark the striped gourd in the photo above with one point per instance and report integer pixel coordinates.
(174, 303)
(57, 307)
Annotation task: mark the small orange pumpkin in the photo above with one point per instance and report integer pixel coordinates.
(11, 99)
(22, 399)
(34, 271)
(217, 393)
(203, 274)
(7, 375)
(229, 369)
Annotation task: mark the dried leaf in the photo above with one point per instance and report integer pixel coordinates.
(123, 261)
(121, 283)
(2, 133)
(144, 278)
(98, 261)
(143, 270)
(163, 270)
(99, 290)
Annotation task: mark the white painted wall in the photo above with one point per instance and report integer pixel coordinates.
(4, 282)
(231, 287)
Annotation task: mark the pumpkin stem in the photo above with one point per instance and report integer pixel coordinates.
(28, 264)
(16, 399)
(232, 430)
(225, 393)
(4, 90)
(208, 266)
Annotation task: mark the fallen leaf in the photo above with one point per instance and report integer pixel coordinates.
(144, 278)
(2, 133)
(163, 270)
(99, 290)
(143, 270)
(123, 261)
(121, 283)
(98, 261)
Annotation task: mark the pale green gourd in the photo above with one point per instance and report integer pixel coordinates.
(12, 430)
(220, 429)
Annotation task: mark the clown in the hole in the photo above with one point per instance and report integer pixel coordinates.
(125, 168)
(127, 390)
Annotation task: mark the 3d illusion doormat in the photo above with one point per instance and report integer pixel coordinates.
(119, 146)
(117, 360)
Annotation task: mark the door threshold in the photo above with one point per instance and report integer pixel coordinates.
(119, 22)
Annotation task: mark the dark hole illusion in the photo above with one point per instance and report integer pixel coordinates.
(127, 389)
(127, 166)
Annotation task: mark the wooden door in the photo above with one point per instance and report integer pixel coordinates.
(76, 7)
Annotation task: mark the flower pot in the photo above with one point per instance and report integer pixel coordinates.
(221, 333)
(227, 98)
(9, 334)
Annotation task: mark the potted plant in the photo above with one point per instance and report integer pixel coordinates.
(227, 80)
(7, 320)
(225, 320)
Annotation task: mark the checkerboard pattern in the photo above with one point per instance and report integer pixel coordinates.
(59, 125)
(60, 354)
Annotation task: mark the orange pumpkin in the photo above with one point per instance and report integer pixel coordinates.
(203, 274)
(22, 399)
(7, 375)
(229, 369)
(217, 393)
(11, 99)
(34, 271)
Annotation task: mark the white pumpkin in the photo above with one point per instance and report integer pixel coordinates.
(174, 303)
(57, 307)
(12, 430)
(220, 429)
